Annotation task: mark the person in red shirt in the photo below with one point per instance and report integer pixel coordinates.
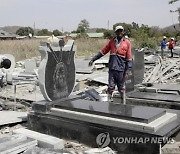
(120, 60)
(171, 46)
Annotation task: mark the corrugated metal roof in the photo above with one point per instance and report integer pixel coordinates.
(5, 34)
(95, 35)
(91, 35)
(74, 34)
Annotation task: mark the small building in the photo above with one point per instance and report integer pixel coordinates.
(95, 35)
(7, 36)
(90, 35)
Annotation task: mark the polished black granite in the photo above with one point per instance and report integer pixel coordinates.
(60, 78)
(138, 66)
(137, 72)
(86, 132)
(128, 112)
(56, 70)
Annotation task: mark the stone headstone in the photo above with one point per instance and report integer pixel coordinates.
(137, 73)
(138, 66)
(57, 70)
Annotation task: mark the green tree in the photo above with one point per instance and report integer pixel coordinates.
(44, 32)
(83, 26)
(56, 32)
(135, 25)
(172, 1)
(178, 9)
(25, 31)
(108, 34)
(101, 30)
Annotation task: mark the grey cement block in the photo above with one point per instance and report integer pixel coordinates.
(150, 89)
(178, 80)
(10, 117)
(44, 141)
(18, 147)
(171, 148)
(106, 150)
(9, 140)
(30, 65)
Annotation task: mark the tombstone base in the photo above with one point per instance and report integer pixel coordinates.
(125, 130)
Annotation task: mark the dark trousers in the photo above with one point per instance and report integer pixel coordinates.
(171, 50)
(116, 78)
(162, 53)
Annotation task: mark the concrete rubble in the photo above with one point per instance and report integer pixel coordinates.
(21, 89)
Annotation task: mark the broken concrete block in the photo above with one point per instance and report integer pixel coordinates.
(15, 143)
(9, 140)
(9, 77)
(171, 148)
(18, 147)
(76, 86)
(150, 89)
(30, 65)
(44, 141)
(141, 89)
(10, 117)
(103, 97)
(178, 80)
(106, 150)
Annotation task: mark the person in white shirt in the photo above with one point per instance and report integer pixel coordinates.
(53, 39)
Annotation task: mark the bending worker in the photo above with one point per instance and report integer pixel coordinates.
(120, 61)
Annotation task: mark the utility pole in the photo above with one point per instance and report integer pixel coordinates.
(62, 30)
(108, 25)
(34, 28)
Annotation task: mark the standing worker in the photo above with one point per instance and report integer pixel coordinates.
(163, 46)
(171, 46)
(120, 61)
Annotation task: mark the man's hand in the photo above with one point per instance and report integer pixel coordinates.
(127, 73)
(91, 62)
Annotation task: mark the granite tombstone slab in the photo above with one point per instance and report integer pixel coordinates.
(83, 120)
(57, 70)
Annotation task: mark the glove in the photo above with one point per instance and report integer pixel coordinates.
(91, 62)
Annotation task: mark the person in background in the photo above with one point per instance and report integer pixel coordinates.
(171, 46)
(163, 46)
(53, 39)
(4, 63)
(120, 61)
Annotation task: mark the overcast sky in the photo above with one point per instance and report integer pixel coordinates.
(67, 14)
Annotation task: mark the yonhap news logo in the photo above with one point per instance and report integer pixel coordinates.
(104, 139)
